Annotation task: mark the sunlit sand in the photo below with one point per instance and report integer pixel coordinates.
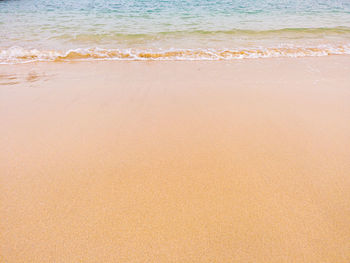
(241, 161)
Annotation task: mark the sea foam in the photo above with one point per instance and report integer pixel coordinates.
(22, 55)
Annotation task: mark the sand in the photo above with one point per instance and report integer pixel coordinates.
(240, 161)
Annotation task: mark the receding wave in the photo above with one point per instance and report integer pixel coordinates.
(21, 55)
(291, 33)
(315, 30)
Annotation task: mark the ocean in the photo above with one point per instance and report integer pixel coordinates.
(61, 30)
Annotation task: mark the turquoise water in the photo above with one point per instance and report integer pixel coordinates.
(177, 29)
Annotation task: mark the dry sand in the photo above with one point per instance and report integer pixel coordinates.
(242, 161)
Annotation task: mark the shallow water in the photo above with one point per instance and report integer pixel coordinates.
(52, 29)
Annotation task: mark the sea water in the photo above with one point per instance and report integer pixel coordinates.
(33, 30)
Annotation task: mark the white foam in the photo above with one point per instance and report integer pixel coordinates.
(22, 55)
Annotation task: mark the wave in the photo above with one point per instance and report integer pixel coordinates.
(341, 31)
(309, 30)
(21, 55)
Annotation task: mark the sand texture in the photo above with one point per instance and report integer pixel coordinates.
(241, 161)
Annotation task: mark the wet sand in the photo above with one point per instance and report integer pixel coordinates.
(241, 161)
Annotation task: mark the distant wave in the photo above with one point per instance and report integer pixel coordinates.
(21, 55)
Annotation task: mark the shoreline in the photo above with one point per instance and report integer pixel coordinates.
(176, 161)
(19, 55)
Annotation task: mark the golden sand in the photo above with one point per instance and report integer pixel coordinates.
(242, 161)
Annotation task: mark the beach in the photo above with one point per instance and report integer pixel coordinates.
(176, 161)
